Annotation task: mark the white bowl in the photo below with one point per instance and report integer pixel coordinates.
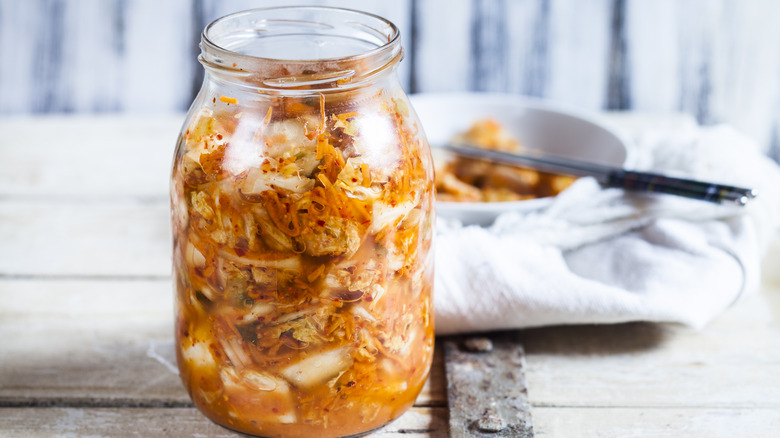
(537, 124)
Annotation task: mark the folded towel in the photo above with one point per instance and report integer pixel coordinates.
(606, 256)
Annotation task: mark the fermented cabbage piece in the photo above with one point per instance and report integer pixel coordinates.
(302, 265)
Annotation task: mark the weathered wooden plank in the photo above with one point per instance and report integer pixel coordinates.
(652, 38)
(167, 422)
(578, 52)
(531, 47)
(102, 343)
(714, 59)
(52, 331)
(94, 55)
(15, 77)
(88, 342)
(486, 387)
(749, 86)
(122, 238)
(570, 366)
(551, 422)
(442, 46)
(159, 52)
(706, 58)
(136, 56)
(565, 422)
(81, 157)
(493, 39)
(732, 363)
(89, 40)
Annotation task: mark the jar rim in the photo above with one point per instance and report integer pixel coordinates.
(277, 72)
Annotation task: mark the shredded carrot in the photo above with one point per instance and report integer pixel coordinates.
(345, 116)
(339, 157)
(316, 273)
(294, 229)
(287, 222)
(358, 206)
(324, 180)
(228, 100)
(327, 165)
(322, 144)
(366, 175)
(331, 193)
(319, 200)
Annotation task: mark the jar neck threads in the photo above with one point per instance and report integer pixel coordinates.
(300, 48)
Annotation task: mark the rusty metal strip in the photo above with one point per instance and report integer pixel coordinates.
(486, 387)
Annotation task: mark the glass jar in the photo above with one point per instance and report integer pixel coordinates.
(302, 211)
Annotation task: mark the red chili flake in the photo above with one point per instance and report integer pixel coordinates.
(214, 100)
(275, 410)
(351, 383)
(261, 318)
(354, 180)
(369, 298)
(321, 223)
(219, 136)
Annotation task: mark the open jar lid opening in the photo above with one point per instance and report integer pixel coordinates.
(294, 47)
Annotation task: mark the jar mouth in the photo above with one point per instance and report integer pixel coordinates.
(299, 46)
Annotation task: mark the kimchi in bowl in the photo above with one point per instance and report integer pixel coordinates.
(538, 126)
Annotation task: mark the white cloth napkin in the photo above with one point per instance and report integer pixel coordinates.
(606, 256)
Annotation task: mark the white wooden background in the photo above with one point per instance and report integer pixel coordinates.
(716, 59)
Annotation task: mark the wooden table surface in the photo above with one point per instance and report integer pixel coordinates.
(86, 337)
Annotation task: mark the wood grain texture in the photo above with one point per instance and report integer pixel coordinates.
(91, 239)
(101, 158)
(566, 422)
(86, 342)
(102, 343)
(731, 364)
(714, 59)
(178, 422)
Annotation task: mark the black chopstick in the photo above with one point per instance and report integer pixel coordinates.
(616, 177)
